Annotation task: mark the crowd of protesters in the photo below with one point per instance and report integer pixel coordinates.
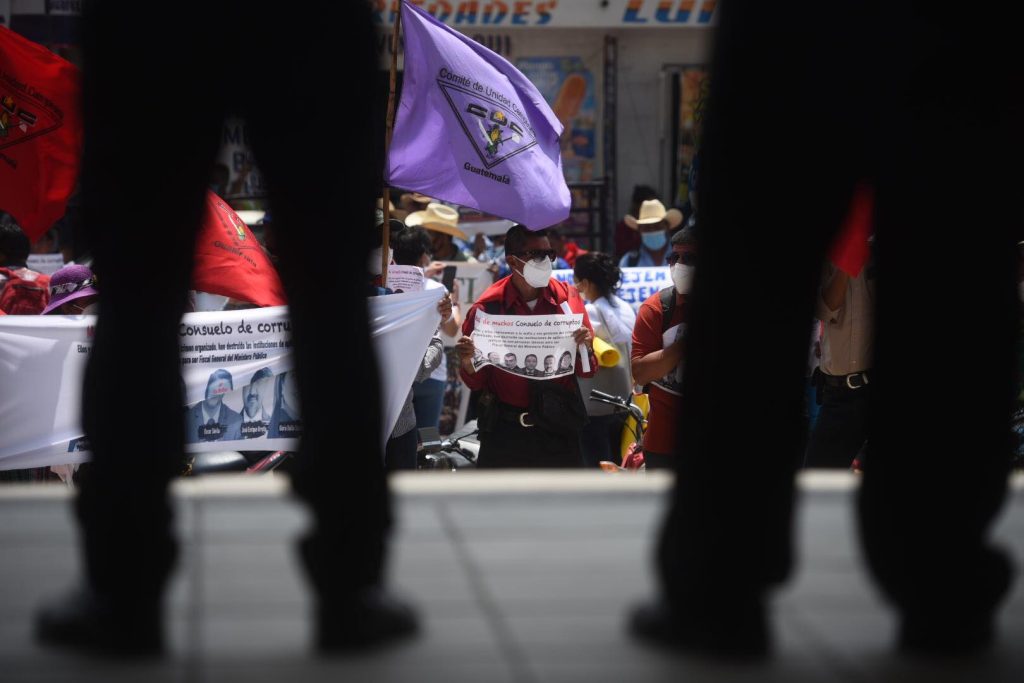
(647, 338)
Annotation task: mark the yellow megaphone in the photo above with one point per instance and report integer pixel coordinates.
(607, 355)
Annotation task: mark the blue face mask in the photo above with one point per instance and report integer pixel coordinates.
(654, 240)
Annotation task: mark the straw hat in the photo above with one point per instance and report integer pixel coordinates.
(653, 211)
(439, 218)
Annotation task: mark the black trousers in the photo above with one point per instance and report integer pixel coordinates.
(941, 389)
(509, 444)
(400, 451)
(600, 439)
(841, 429)
(155, 95)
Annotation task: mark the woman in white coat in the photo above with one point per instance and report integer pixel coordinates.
(597, 276)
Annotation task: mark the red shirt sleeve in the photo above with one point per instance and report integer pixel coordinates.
(647, 335)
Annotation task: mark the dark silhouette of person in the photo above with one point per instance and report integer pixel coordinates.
(311, 142)
(937, 460)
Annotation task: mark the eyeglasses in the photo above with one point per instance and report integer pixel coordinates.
(687, 258)
(69, 287)
(536, 255)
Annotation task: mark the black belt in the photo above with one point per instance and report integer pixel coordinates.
(856, 380)
(515, 415)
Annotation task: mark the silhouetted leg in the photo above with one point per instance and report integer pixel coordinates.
(947, 326)
(778, 165)
(151, 130)
(318, 158)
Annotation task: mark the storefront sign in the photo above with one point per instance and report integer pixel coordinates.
(503, 14)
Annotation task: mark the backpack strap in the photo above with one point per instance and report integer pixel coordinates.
(633, 259)
(668, 307)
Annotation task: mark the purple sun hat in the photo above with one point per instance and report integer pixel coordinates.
(70, 283)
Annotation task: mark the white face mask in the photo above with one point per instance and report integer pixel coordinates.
(537, 274)
(373, 262)
(682, 277)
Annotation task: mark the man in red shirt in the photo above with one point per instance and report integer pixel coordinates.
(657, 356)
(509, 435)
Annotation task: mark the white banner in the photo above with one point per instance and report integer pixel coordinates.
(473, 279)
(637, 285)
(532, 346)
(47, 264)
(405, 279)
(236, 365)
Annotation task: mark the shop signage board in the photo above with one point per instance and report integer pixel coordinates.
(515, 14)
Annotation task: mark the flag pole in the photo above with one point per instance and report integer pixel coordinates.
(385, 245)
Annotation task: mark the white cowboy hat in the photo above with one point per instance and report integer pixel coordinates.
(437, 217)
(653, 211)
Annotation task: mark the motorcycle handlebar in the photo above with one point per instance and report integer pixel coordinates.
(596, 395)
(620, 403)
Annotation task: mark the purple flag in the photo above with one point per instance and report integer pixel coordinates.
(472, 130)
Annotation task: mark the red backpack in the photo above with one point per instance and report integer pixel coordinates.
(23, 291)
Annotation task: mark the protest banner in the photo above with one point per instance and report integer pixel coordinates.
(47, 264)
(473, 279)
(405, 279)
(535, 346)
(637, 284)
(236, 368)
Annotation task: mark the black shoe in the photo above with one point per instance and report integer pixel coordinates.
(362, 621)
(738, 634)
(82, 620)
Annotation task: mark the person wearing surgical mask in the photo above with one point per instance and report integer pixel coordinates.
(509, 436)
(657, 355)
(654, 224)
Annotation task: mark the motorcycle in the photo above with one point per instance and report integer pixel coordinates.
(633, 431)
(459, 451)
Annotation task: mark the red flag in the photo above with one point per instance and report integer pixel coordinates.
(40, 133)
(230, 262)
(849, 251)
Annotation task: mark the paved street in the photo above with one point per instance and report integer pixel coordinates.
(521, 578)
